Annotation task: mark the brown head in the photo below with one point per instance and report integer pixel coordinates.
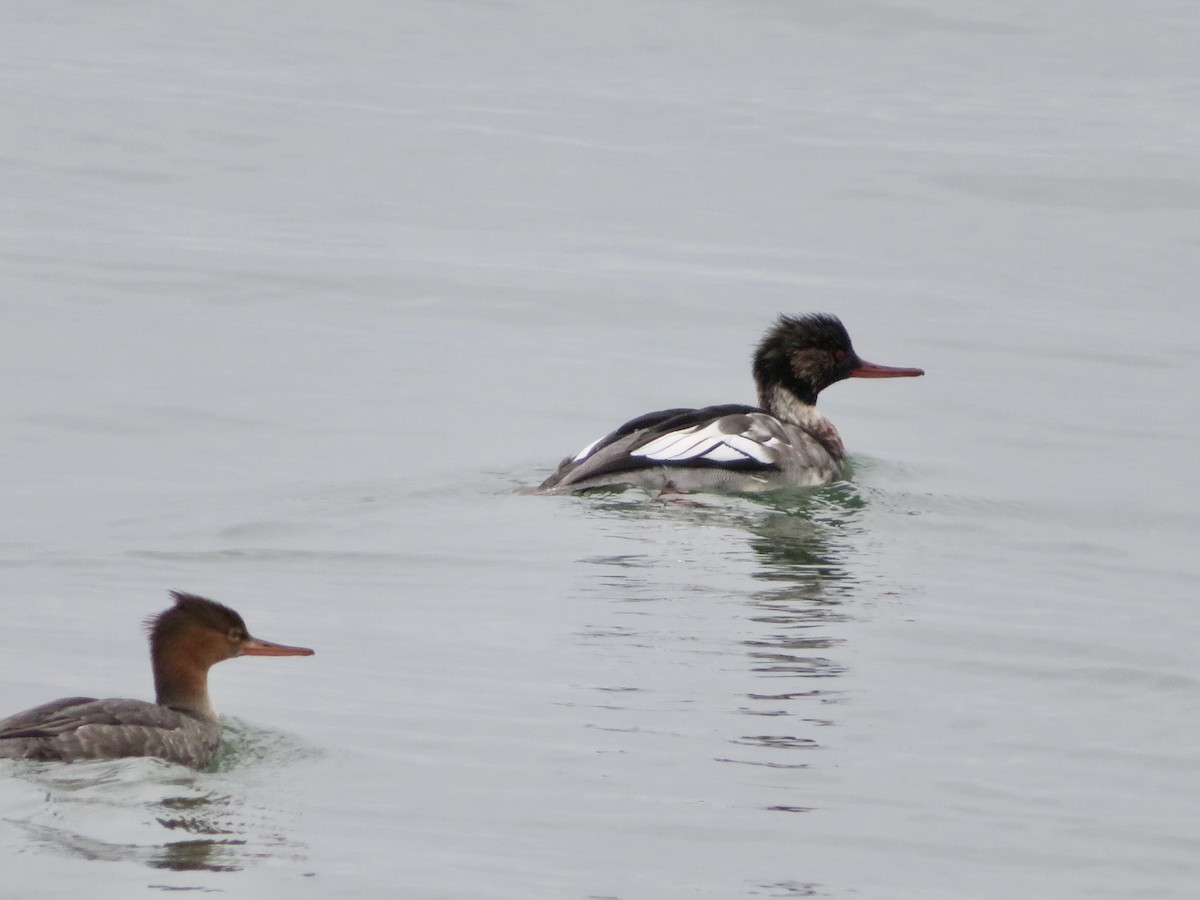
(806, 354)
(189, 638)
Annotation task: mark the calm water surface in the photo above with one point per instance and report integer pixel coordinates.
(296, 296)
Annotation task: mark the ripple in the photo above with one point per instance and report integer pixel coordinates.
(778, 742)
(791, 888)
(762, 763)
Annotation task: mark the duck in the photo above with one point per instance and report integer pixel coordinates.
(783, 442)
(180, 726)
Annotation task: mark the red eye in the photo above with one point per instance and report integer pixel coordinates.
(839, 355)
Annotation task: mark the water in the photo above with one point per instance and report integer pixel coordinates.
(296, 295)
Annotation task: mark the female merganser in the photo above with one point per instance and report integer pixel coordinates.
(783, 442)
(180, 726)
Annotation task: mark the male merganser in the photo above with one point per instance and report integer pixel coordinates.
(180, 726)
(783, 442)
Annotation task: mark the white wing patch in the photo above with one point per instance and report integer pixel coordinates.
(586, 451)
(710, 442)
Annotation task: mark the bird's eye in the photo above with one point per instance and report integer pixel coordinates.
(839, 355)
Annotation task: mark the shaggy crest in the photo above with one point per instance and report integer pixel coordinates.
(804, 354)
(190, 609)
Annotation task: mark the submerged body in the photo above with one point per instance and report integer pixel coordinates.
(732, 448)
(86, 728)
(181, 726)
(783, 442)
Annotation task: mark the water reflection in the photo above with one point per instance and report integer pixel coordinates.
(158, 814)
(801, 546)
(794, 591)
(179, 856)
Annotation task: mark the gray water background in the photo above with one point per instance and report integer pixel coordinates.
(295, 295)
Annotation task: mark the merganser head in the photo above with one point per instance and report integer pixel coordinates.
(806, 354)
(193, 635)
